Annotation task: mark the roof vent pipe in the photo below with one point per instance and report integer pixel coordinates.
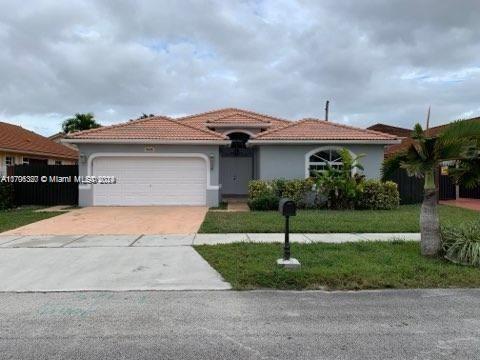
(326, 109)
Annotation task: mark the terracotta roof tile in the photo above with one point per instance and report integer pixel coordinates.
(17, 139)
(393, 130)
(153, 128)
(314, 129)
(238, 119)
(231, 115)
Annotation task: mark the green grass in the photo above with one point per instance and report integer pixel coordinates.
(403, 219)
(11, 219)
(348, 266)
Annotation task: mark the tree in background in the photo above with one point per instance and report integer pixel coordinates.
(80, 122)
(458, 143)
(145, 116)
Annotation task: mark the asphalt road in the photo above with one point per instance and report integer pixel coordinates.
(412, 324)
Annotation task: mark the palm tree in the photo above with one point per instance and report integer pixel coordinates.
(146, 116)
(80, 122)
(458, 143)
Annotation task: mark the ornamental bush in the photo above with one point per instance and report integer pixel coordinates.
(378, 195)
(461, 242)
(265, 194)
(6, 196)
(264, 202)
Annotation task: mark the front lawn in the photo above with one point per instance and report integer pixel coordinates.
(11, 219)
(349, 266)
(403, 219)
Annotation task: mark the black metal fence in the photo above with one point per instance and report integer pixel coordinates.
(49, 189)
(409, 187)
(472, 193)
(446, 188)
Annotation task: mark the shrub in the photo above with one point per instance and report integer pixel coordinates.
(262, 193)
(461, 243)
(258, 188)
(6, 195)
(377, 195)
(264, 202)
(297, 190)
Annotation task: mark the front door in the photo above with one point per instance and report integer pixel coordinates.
(235, 173)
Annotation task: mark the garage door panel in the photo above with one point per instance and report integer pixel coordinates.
(151, 181)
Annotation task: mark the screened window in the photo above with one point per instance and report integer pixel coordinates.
(319, 161)
(9, 160)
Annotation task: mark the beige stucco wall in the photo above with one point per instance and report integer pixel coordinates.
(19, 160)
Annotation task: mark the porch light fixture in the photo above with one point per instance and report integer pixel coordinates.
(82, 158)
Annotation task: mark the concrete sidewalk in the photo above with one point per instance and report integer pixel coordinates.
(169, 240)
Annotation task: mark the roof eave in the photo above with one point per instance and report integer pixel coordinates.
(302, 142)
(146, 141)
(39, 153)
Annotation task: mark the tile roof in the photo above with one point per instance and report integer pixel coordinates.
(315, 129)
(393, 130)
(238, 119)
(200, 120)
(433, 131)
(152, 128)
(17, 139)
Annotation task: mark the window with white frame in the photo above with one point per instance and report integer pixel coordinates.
(26, 161)
(58, 162)
(320, 160)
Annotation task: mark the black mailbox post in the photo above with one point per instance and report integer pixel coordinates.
(287, 208)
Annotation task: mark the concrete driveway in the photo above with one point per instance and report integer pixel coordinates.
(117, 220)
(104, 262)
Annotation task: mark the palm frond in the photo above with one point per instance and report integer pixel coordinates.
(460, 129)
(391, 164)
(418, 132)
(467, 172)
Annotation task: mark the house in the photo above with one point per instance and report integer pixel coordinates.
(404, 134)
(198, 159)
(21, 146)
(447, 189)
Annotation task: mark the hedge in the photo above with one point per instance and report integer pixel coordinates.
(265, 194)
(6, 195)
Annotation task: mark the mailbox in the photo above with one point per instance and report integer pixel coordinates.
(287, 207)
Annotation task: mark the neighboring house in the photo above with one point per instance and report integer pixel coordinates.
(404, 134)
(21, 146)
(401, 133)
(447, 189)
(58, 137)
(198, 159)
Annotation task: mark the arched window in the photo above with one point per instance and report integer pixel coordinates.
(319, 160)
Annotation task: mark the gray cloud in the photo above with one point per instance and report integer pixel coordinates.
(376, 61)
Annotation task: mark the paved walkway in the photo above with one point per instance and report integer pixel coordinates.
(118, 220)
(169, 240)
(472, 204)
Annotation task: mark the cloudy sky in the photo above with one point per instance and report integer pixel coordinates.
(376, 61)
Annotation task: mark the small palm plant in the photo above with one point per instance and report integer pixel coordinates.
(341, 185)
(459, 143)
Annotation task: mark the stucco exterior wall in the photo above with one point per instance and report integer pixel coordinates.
(288, 161)
(86, 193)
(18, 159)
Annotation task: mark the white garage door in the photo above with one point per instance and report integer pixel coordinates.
(151, 181)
